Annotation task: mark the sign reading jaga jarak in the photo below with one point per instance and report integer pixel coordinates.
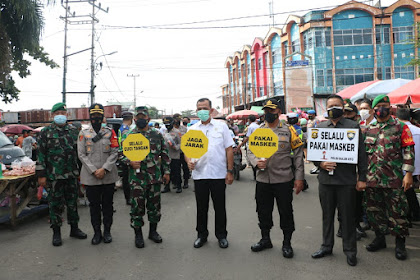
(333, 144)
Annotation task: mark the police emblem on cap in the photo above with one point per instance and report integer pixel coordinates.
(269, 102)
(97, 106)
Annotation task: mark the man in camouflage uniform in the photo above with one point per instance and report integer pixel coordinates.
(172, 138)
(390, 150)
(145, 185)
(57, 171)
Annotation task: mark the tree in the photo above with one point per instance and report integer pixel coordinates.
(21, 24)
(188, 113)
(153, 112)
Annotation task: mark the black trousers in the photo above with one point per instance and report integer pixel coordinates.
(101, 201)
(176, 172)
(125, 183)
(283, 194)
(185, 169)
(342, 197)
(216, 188)
(413, 204)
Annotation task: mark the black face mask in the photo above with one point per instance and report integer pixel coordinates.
(292, 121)
(177, 123)
(335, 113)
(185, 123)
(141, 123)
(270, 117)
(311, 117)
(96, 123)
(382, 112)
(304, 129)
(169, 126)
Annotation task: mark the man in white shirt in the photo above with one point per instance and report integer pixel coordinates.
(413, 204)
(211, 173)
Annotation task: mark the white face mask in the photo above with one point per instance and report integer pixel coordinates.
(364, 114)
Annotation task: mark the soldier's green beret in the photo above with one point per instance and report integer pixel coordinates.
(59, 106)
(379, 99)
(142, 110)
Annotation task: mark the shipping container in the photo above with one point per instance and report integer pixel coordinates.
(10, 117)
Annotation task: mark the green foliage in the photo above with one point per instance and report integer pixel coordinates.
(21, 24)
(188, 113)
(153, 112)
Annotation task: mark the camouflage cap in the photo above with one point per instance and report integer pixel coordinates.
(379, 99)
(59, 107)
(142, 110)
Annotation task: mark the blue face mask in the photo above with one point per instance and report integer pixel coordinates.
(103, 125)
(60, 119)
(204, 115)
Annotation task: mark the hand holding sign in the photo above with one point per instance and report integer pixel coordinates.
(263, 143)
(194, 144)
(136, 147)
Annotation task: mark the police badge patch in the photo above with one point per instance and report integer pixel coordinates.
(351, 134)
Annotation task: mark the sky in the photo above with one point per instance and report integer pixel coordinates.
(177, 59)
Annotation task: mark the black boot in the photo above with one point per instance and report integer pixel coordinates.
(139, 238)
(178, 189)
(287, 246)
(264, 243)
(339, 233)
(107, 234)
(97, 236)
(400, 251)
(185, 186)
(378, 243)
(56, 236)
(166, 189)
(77, 233)
(153, 235)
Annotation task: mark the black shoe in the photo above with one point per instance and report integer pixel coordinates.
(56, 241)
(400, 251)
(77, 233)
(139, 241)
(166, 189)
(243, 166)
(287, 251)
(97, 236)
(321, 253)
(200, 242)
(377, 243)
(185, 186)
(153, 235)
(107, 234)
(263, 244)
(352, 260)
(223, 243)
(178, 189)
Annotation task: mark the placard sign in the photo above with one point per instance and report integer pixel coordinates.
(339, 145)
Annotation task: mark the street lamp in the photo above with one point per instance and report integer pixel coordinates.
(92, 76)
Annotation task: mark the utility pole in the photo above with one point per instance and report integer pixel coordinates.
(134, 78)
(65, 51)
(271, 9)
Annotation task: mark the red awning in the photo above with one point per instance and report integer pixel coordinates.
(354, 89)
(408, 91)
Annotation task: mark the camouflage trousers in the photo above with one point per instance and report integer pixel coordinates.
(144, 197)
(60, 193)
(387, 209)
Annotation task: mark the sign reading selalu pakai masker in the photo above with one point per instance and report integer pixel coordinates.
(339, 145)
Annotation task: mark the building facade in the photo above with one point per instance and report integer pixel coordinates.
(323, 52)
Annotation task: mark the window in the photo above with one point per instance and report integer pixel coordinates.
(346, 77)
(382, 35)
(276, 56)
(307, 40)
(296, 46)
(327, 34)
(240, 72)
(248, 69)
(262, 91)
(320, 78)
(404, 72)
(353, 37)
(286, 49)
(249, 86)
(266, 60)
(278, 87)
(329, 78)
(323, 38)
(260, 66)
(402, 34)
(318, 38)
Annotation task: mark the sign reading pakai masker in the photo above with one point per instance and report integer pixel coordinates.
(339, 145)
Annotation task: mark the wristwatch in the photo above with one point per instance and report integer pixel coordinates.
(230, 171)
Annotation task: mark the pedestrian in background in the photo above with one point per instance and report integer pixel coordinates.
(146, 178)
(28, 144)
(211, 173)
(184, 166)
(337, 187)
(97, 148)
(173, 142)
(253, 125)
(57, 172)
(390, 150)
(123, 130)
(276, 179)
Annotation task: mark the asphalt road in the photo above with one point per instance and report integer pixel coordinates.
(27, 253)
